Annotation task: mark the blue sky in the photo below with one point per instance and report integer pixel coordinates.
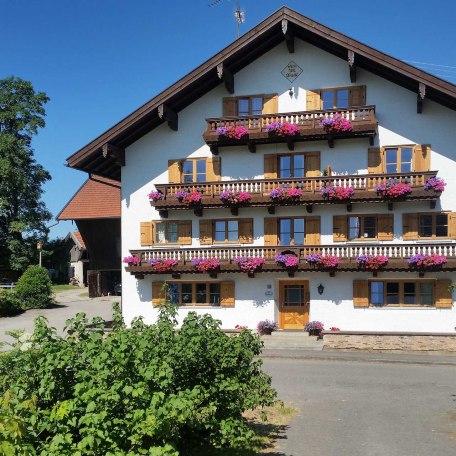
(98, 60)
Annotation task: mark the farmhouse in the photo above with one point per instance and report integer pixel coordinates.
(296, 175)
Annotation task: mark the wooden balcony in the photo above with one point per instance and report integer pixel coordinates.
(309, 122)
(363, 185)
(397, 254)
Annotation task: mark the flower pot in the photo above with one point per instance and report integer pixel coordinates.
(314, 332)
(266, 332)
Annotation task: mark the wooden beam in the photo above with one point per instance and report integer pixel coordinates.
(226, 76)
(112, 151)
(252, 147)
(214, 149)
(289, 36)
(420, 97)
(166, 113)
(352, 66)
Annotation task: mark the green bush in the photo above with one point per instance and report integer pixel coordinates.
(151, 390)
(34, 288)
(10, 304)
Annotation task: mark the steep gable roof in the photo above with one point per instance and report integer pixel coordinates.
(97, 198)
(76, 238)
(283, 24)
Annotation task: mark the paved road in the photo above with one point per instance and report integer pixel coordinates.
(70, 302)
(356, 408)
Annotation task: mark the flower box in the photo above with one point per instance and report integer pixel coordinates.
(393, 190)
(237, 132)
(335, 193)
(280, 194)
(287, 260)
(336, 124)
(250, 264)
(189, 199)
(155, 196)
(372, 262)
(131, 260)
(266, 327)
(161, 265)
(427, 262)
(327, 262)
(235, 198)
(209, 265)
(282, 129)
(435, 183)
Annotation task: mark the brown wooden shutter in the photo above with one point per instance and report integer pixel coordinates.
(270, 104)
(313, 100)
(245, 230)
(157, 295)
(205, 232)
(312, 231)
(422, 157)
(375, 160)
(227, 294)
(213, 169)
(270, 166)
(229, 106)
(312, 164)
(360, 293)
(174, 171)
(147, 233)
(357, 96)
(409, 226)
(340, 228)
(184, 232)
(452, 225)
(385, 229)
(443, 294)
(270, 231)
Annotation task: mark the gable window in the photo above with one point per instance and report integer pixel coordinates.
(399, 159)
(226, 231)
(432, 225)
(335, 98)
(194, 170)
(401, 293)
(291, 165)
(250, 106)
(291, 231)
(362, 227)
(166, 233)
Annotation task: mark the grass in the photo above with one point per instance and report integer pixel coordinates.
(57, 288)
(84, 295)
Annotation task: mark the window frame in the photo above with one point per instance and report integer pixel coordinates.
(292, 231)
(362, 224)
(434, 225)
(194, 284)
(166, 223)
(249, 99)
(399, 157)
(292, 165)
(334, 91)
(195, 174)
(401, 304)
(226, 221)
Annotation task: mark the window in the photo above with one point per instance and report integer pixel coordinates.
(335, 98)
(432, 225)
(399, 159)
(401, 293)
(291, 165)
(194, 170)
(195, 293)
(226, 231)
(362, 227)
(291, 231)
(250, 106)
(166, 232)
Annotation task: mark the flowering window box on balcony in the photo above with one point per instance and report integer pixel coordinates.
(364, 190)
(398, 256)
(309, 123)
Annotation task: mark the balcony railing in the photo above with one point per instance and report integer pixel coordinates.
(397, 254)
(362, 119)
(363, 185)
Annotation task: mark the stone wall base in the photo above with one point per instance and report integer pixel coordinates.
(390, 341)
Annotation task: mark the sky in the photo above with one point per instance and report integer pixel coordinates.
(99, 60)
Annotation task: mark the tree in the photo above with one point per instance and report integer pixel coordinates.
(23, 215)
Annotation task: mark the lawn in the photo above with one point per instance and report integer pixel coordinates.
(57, 288)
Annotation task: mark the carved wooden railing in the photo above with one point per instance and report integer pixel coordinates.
(397, 254)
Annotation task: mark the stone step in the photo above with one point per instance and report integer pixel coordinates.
(282, 342)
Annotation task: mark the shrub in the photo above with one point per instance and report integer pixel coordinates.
(10, 304)
(34, 288)
(139, 390)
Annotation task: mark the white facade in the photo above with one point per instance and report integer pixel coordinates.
(258, 298)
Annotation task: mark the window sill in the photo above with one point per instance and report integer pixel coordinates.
(403, 308)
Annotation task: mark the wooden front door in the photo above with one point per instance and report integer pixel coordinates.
(294, 304)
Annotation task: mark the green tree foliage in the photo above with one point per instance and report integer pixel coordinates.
(151, 390)
(23, 214)
(34, 288)
(9, 303)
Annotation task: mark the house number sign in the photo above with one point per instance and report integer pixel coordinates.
(292, 71)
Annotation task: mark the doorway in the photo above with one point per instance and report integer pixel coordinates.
(294, 303)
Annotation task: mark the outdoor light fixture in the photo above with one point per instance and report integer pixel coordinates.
(320, 289)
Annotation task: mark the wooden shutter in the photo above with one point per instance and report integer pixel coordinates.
(357, 96)
(227, 294)
(422, 157)
(184, 232)
(174, 171)
(270, 231)
(443, 294)
(270, 104)
(360, 293)
(245, 230)
(205, 232)
(375, 160)
(270, 166)
(385, 229)
(229, 106)
(452, 225)
(409, 226)
(313, 100)
(147, 233)
(312, 164)
(213, 169)
(312, 231)
(340, 228)
(157, 296)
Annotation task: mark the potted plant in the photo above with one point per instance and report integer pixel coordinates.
(155, 196)
(336, 124)
(393, 190)
(280, 194)
(250, 264)
(132, 260)
(435, 183)
(192, 198)
(282, 129)
(209, 265)
(336, 193)
(426, 262)
(232, 132)
(372, 262)
(288, 261)
(234, 198)
(266, 327)
(161, 265)
(314, 328)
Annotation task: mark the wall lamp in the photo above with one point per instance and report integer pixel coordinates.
(320, 289)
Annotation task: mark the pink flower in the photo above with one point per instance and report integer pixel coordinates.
(231, 132)
(158, 264)
(249, 264)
